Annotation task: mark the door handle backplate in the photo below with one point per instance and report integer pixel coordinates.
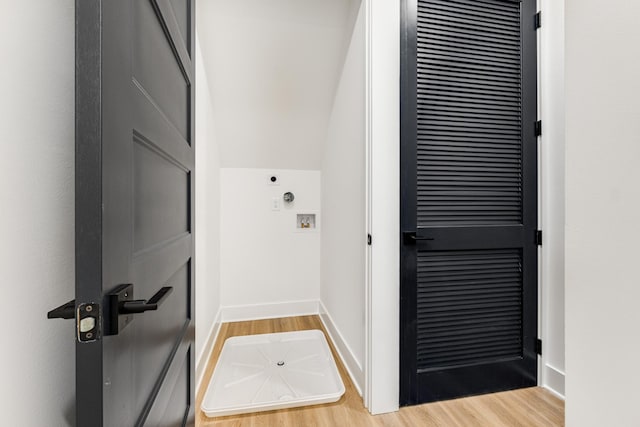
(122, 306)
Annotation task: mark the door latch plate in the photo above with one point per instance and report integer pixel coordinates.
(88, 318)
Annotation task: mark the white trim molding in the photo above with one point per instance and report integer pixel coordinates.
(553, 380)
(382, 359)
(551, 65)
(351, 364)
(241, 313)
(205, 355)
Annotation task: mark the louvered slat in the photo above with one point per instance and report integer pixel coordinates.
(469, 126)
(469, 306)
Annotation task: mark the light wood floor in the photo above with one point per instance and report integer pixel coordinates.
(532, 407)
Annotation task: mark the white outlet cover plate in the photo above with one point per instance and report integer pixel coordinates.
(273, 371)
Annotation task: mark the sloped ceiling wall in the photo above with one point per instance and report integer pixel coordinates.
(273, 68)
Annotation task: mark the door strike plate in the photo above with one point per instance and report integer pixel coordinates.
(88, 318)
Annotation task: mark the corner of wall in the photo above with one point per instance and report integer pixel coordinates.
(343, 280)
(207, 227)
(353, 367)
(553, 380)
(204, 356)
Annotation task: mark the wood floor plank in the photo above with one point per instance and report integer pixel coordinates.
(530, 407)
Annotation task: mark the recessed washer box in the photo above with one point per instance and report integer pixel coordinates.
(306, 221)
(273, 371)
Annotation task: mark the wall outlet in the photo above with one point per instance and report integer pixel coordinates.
(275, 204)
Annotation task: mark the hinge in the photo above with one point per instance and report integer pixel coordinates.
(538, 20)
(369, 239)
(538, 128)
(539, 346)
(539, 237)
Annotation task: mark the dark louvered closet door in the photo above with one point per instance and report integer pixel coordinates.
(469, 198)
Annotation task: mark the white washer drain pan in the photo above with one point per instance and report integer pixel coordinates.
(272, 371)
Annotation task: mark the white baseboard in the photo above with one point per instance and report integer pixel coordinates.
(348, 359)
(240, 313)
(203, 358)
(553, 380)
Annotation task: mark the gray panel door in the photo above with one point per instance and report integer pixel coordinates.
(134, 212)
(469, 198)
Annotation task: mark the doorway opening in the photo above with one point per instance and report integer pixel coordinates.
(282, 169)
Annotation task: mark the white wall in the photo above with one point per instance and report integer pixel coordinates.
(552, 160)
(265, 259)
(37, 212)
(602, 212)
(273, 68)
(343, 206)
(207, 224)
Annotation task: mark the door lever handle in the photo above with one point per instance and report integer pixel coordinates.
(140, 306)
(122, 306)
(65, 311)
(421, 238)
(410, 237)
